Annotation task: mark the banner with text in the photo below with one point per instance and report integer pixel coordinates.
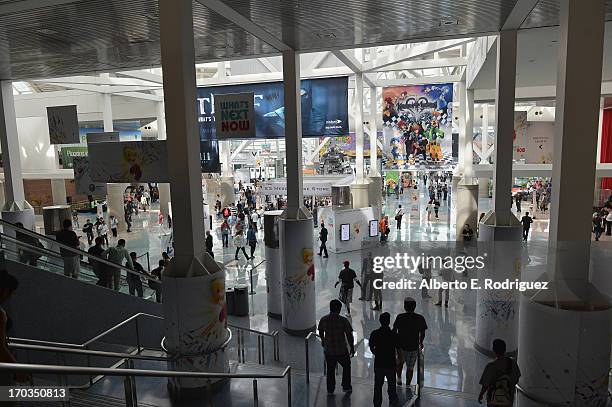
(130, 161)
(82, 179)
(235, 115)
(280, 188)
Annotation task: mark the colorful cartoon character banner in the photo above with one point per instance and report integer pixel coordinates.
(132, 161)
(417, 125)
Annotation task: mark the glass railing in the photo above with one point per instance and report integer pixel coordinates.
(40, 251)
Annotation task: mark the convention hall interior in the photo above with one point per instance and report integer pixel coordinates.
(306, 203)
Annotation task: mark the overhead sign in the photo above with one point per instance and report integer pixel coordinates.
(235, 115)
(280, 188)
(63, 124)
(82, 179)
(102, 137)
(324, 107)
(68, 154)
(129, 161)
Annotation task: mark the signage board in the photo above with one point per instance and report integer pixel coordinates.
(129, 161)
(63, 124)
(82, 179)
(308, 189)
(234, 115)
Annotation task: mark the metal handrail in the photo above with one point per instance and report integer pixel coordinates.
(183, 355)
(68, 248)
(261, 358)
(307, 353)
(129, 374)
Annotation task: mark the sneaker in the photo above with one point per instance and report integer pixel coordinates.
(325, 257)
(438, 304)
(347, 390)
(446, 304)
(399, 382)
(330, 393)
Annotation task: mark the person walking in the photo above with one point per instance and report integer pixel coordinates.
(239, 242)
(347, 279)
(338, 343)
(209, 244)
(499, 378)
(100, 270)
(128, 219)
(609, 224)
(252, 238)
(383, 225)
(410, 328)
(75, 218)
(225, 232)
(399, 214)
(103, 231)
(526, 221)
(429, 208)
(72, 260)
(133, 279)
(445, 191)
(447, 277)
(323, 239)
(436, 207)
(367, 277)
(383, 344)
(597, 228)
(113, 225)
(88, 230)
(517, 199)
(377, 291)
(117, 255)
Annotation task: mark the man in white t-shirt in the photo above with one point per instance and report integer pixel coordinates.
(399, 213)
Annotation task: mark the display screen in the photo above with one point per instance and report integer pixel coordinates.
(373, 228)
(324, 107)
(345, 232)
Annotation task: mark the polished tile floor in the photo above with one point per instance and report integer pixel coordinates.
(451, 362)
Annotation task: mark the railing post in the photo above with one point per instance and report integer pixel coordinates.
(243, 346)
(137, 335)
(289, 386)
(238, 344)
(255, 395)
(148, 262)
(259, 349)
(263, 350)
(89, 365)
(307, 360)
(251, 279)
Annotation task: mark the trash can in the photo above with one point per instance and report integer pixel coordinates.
(241, 300)
(230, 301)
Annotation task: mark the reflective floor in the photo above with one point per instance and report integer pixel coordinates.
(451, 362)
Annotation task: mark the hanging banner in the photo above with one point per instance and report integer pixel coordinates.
(280, 188)
(540, 139)
(519, 143)
(235, 116)
(102, 137)
(82, 180)
(68, 154)
(417, 125)
(324, 107)
(209, 156)
(130, 161)
(63, 124)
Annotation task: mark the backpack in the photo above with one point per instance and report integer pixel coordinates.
(502, 390)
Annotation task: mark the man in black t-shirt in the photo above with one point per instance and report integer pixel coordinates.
(133, 280)
(410, 328)
(323, 239)
(526, 221)
(72, 260)
(347, 279)
(383, 344)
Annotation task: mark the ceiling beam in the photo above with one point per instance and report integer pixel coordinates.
(412, 53)
(268, 64)
(427, 64)
(242, 146)
(99, 81)
(520, 12)
(349, 60)
(232, 15)
(318, 59)
(143, 75)
(140, 95)
(424, 80)
(25, 5)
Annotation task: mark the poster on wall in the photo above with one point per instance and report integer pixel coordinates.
(540, 139)
(373, 228)
(130, 161)
(324, 107)
(82, 180)
(234, 116)
(417, 126)
(345, 232)
(519, 143)
(63, 124)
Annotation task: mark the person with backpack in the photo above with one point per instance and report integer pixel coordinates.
(499, 378)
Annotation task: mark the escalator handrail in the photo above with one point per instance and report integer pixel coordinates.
(68, 248)
(85, 352)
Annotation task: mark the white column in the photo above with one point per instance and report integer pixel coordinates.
(459, 111)
(226, 181)
(58, 191)
(574, 371)
(485, 133)
(16, 208)
(360, 188)
(193, 280)
(161, 121)
(468, 157)
(500, 231)
(295, 226)
(107, 112)
(373, 133)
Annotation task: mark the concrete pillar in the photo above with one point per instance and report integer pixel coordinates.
(295, 226)
(574, 369)
(359, 189)
(500, 231)
(16, 208)
(466, 197)
(164, 198)
(107, 112)
(161, 121)
(193, 280)
(467, 190)
(114, 204)
(373, 133)
(58, 191)
(483, 187)
(226, 181)
(485, 133)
